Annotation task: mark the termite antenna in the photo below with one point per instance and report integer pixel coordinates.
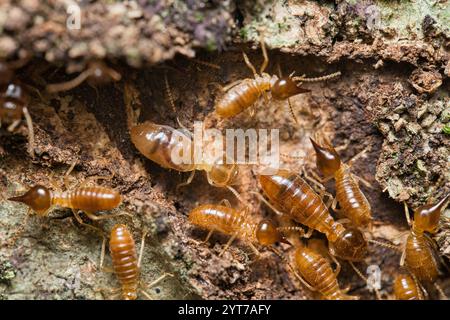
(171, 101)
(386, 245)
(318, 79)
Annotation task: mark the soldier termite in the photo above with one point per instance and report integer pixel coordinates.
(290, 195)
(243, 94)
(85, 198)
(237, 224)
(419, 254)
(97, 73)
(126, 264)
(353, 203)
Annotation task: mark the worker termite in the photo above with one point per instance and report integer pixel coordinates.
(317, 274)
(126, 264)
(97, 73)
(406, 287)
(290, 195)
(88, 199)
(166, 146)
(235, 223)
(14, 99)
(243, 94)
(13, 105)
(353, 203)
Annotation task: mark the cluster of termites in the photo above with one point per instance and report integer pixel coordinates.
(296, 198)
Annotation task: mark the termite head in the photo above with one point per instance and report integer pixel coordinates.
(267, 233)
(286, 87)
(426, 217)
(37, 198)
(129, 295)
(351, 245)
(327, 159)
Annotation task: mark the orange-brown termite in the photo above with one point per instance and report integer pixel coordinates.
(420, 254)
(243, 94)
(97, 73)
(126, 264)
(85, 198)
(353, 203)
(235, 223)
(316, 273)
(290, 195)
(407, 288)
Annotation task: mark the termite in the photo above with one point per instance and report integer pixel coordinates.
(243, 94)
(97, 73)
(290, 195)
(419, 254)
(165, 145)
(317, 274)
(85, 198)
(13, 105)
(407, 288)
(14, 99)
(235, 223)
(353, 203)
(126, 264)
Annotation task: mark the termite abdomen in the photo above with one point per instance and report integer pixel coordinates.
(157, 143)
(406, 288)
(124, 259)
(351, 245)
(90, 199)
(317, 272)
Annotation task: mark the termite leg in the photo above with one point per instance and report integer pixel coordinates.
(188, 181)
(141, 250)
(408, 218)
(334, 206)
(29, 122)
(264, 52)
(146, 294)
(338, 265)
(249, 64)
(363, 181)
(344, 221)
(267, 203)
(81, 222)
(323, 191)
(102, 258)
(95, 217)
(228, 244)
(357, 156)
(255, 251)
(13, 125)
(229, 86)
(161, 278)
(403, 257)
(208, 236)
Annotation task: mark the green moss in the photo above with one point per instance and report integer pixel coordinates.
(446, 129)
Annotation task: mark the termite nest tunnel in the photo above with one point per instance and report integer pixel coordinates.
(391, 99)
